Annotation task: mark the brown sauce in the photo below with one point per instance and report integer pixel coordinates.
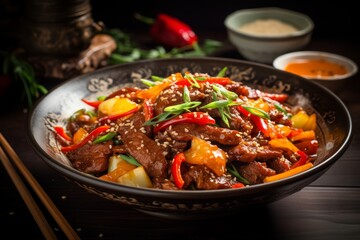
(315, 68)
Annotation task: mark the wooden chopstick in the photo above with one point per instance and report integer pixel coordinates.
(45, 199)
(28, 199)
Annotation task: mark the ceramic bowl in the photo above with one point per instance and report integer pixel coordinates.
(333, 121)
(322, 74)
(269, 40)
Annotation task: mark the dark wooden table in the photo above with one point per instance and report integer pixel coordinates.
(329, 208)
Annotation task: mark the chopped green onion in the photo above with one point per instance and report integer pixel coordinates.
(231, 168)
(257, 111)
(226, 93)
(225, 117)
(222, 72)
(281, 109)
(192, 80)
(220, 103)
(101, 98)
(157, 79)
(105, 137)
(182, 106)
(148, 82)
(159, 118)
(130, 159)
(186, 95)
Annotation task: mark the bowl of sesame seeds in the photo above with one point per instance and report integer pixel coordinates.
(159, 192)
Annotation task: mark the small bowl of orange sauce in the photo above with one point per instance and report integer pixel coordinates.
(325, 68)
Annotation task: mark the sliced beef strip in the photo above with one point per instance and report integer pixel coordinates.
(251, 151)
(186, 131)
(173, 95)
(204, 179)
(255, 172)
(145, 150)
(280, 164)
(91, 158)
(129, 92)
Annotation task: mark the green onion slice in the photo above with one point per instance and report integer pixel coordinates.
(257, 111)
(182, 106)
(222, 72)
(231, 168)
(130, 159)
(105, 137)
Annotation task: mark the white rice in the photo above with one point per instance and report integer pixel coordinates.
(267, 27)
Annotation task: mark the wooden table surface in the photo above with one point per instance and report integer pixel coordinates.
(328, 208)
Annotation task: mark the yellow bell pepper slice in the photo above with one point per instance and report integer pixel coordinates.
(304, 121)
(289, 173)
(116, 105)
(304, 136)
(136, 178)
(204, 153)
(284, 144)
(117, 168)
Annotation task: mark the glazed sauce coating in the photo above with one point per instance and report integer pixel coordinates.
(315, 68)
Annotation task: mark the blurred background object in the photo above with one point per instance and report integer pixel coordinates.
(262, 34)
(57, 37)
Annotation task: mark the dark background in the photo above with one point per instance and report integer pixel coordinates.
(335, 19)
(332, 19)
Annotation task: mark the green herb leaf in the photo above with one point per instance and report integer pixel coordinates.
(105, 137)
(231, 168)
(130, 159)
(224, 92)
(182, 106)
(257, 111)
(222, 72)
(186, 95)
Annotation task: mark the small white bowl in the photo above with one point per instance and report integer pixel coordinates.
(265, 48)
(333, 83)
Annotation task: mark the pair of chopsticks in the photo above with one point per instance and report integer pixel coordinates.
(26, 195)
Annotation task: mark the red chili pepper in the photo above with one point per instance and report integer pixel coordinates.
(61, 132)
(260, 123)
(94, 104)
(116, 116)
(219, 80)
(176, 169)
(303, 159)
(309, 147)
(92, 135)
(237, 185)
(170, 31)
(200, 118)
(148, 110)
(280, 97)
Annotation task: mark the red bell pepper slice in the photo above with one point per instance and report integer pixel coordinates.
(148, 110)
(94, 104)
(218, 80)
(259, 122)
(303, 159)
(280, 97)
(200, 118)
(176, 169)
(116, 116)
(309, 147)
(238, 185)
(61, 132)
(92, 135)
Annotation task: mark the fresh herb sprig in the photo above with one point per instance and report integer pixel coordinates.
(174, 110)
(22, 71)
(128, 51)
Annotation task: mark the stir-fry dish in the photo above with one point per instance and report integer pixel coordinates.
(190, 131)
